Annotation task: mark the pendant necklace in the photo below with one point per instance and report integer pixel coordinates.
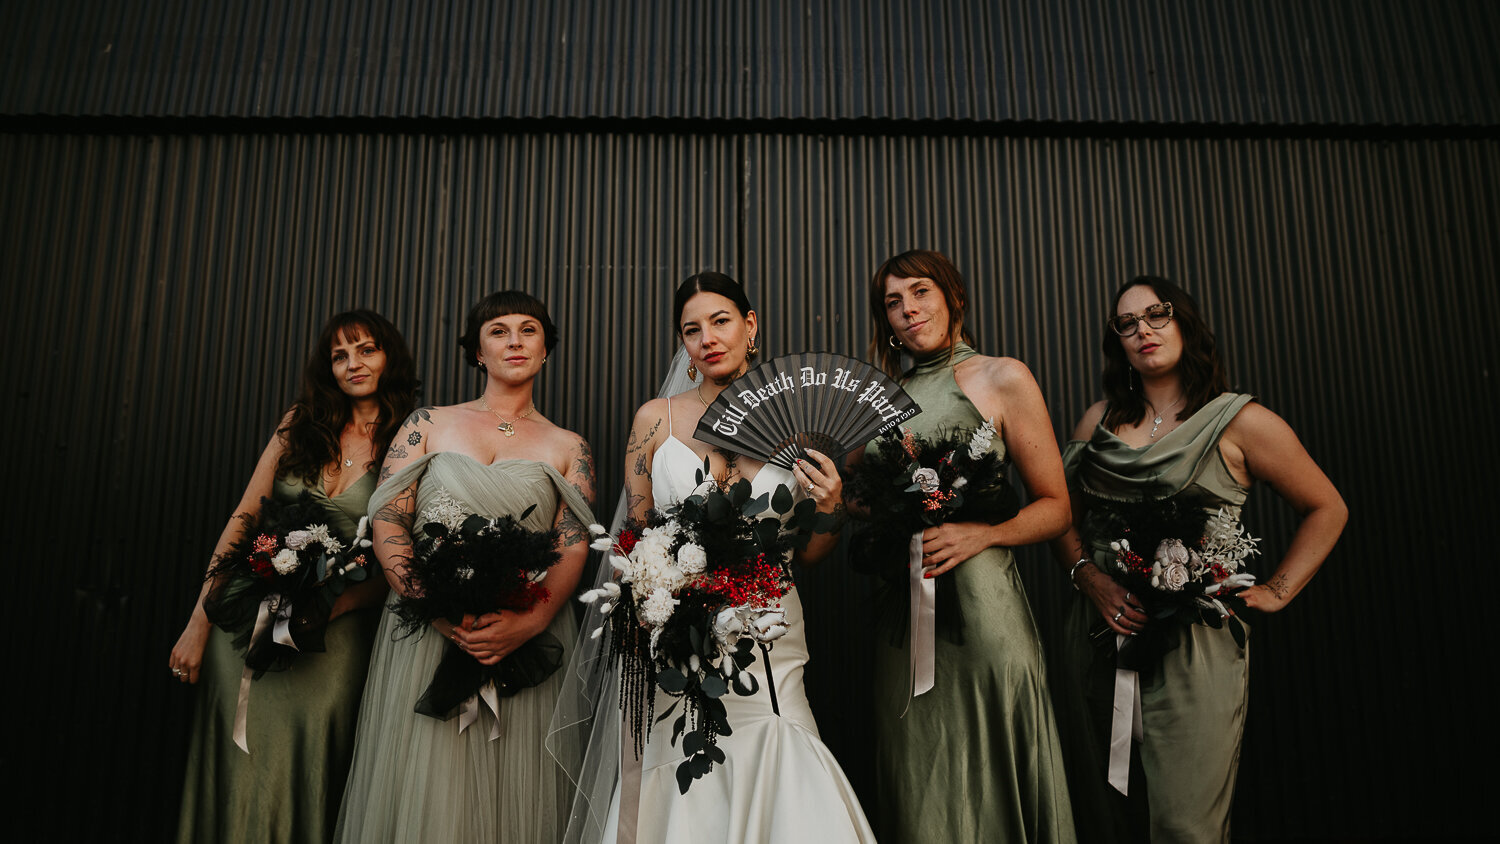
(506, 428)
(348, 461)
(1156, 423)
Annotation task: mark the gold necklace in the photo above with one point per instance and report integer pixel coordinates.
(698, 391)
(506, 428)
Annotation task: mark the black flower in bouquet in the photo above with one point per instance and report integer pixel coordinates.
(698, 589)
(467, 564)
(275, 586)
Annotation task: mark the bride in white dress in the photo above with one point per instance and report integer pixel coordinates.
(778, 782)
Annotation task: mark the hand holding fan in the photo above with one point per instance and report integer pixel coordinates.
(828, 402)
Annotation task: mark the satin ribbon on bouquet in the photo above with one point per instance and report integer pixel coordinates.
(1124, 723)
(922, 623)
(468, 711)
(272, 608)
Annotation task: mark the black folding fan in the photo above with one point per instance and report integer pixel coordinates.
(817, 400)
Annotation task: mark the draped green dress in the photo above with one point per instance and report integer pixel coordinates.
(1193, 707)
(416, 778)
(977, 758)
(300, 725)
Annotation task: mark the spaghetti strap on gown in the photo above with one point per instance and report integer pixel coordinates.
(417, 779)
(779, 782)
(1193, 706)
(300, 722)
(977, 758)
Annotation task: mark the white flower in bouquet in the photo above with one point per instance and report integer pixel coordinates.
(298, 540)
(1172, 552)
(657, 609)
(728, 627)
(980, 442)
(286, 561)
(445, 510)
(1174, 576)
(692, 559)
(464, 573)
(926, 479)
(769, 626)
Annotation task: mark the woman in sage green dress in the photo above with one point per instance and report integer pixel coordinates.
(417, 778)
(977, 757)
(358, 384)
(1169, 428)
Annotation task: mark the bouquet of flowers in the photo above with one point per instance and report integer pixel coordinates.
(466, 564)
(275, 587)
(1184, 563)
(914, 482)
(698, 589)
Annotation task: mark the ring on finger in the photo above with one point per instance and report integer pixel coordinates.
(1117, 616)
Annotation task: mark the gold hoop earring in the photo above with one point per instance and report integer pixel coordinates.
(895, 344)
(753, 348)
(692, 372)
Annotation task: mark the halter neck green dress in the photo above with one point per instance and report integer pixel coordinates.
(416, 778)
(1193, 707)
(300, 727)
(977, 758)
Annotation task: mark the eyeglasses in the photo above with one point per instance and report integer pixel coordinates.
(1156, 316)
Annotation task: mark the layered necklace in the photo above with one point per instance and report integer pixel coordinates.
(1156, 423)
(507, 427)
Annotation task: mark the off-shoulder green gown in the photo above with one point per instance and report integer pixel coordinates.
(976, 758)
(416, 778)
(300, 725)
(1193, 708)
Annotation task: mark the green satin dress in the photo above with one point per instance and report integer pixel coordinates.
(977, 758)
(1193, 707)
(300, 722)
(416, 778)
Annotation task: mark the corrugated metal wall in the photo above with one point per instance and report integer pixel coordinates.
(1286, 62)
(161, 290)
(188, 189)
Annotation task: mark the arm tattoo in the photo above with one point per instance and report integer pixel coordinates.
(633, 500)
(415, 438)
(398, 511)
(1279, 586)
(396, 451)
(642, 468)
(633, 444)
(385, 475)
(583, 468)
(418, 416)
(570, 530)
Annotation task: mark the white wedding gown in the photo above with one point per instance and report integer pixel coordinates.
(778, 782)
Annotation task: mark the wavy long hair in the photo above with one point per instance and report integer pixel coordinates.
(1201, 368)
(322, 411)
(915, 263)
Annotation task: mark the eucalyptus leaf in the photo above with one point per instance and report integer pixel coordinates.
(678, 726)
(757, 505)
(693, 743)
(322, 566)
(718, 508)
(714, 686)
(781, 499)
(672, 681)
(684, 777)
(665, 715)
(356, 574)
(739, 493)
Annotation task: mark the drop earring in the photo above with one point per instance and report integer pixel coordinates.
(895, 344)
(692, 372)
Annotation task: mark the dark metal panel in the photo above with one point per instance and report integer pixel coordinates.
(1332, 63)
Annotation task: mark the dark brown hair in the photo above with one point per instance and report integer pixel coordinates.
(322, 410)
(1201, 368)
(709, 281)
(915, 263)
(499, 304)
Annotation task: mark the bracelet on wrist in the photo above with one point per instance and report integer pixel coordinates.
(1073, 572)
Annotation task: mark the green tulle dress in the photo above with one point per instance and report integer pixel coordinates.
(300, 723)
(1193, 707)
(416, 778)
(977, 758)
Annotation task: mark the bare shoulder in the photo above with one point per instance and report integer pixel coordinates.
(999, 373)
(1090, 420)
(1257, 424)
